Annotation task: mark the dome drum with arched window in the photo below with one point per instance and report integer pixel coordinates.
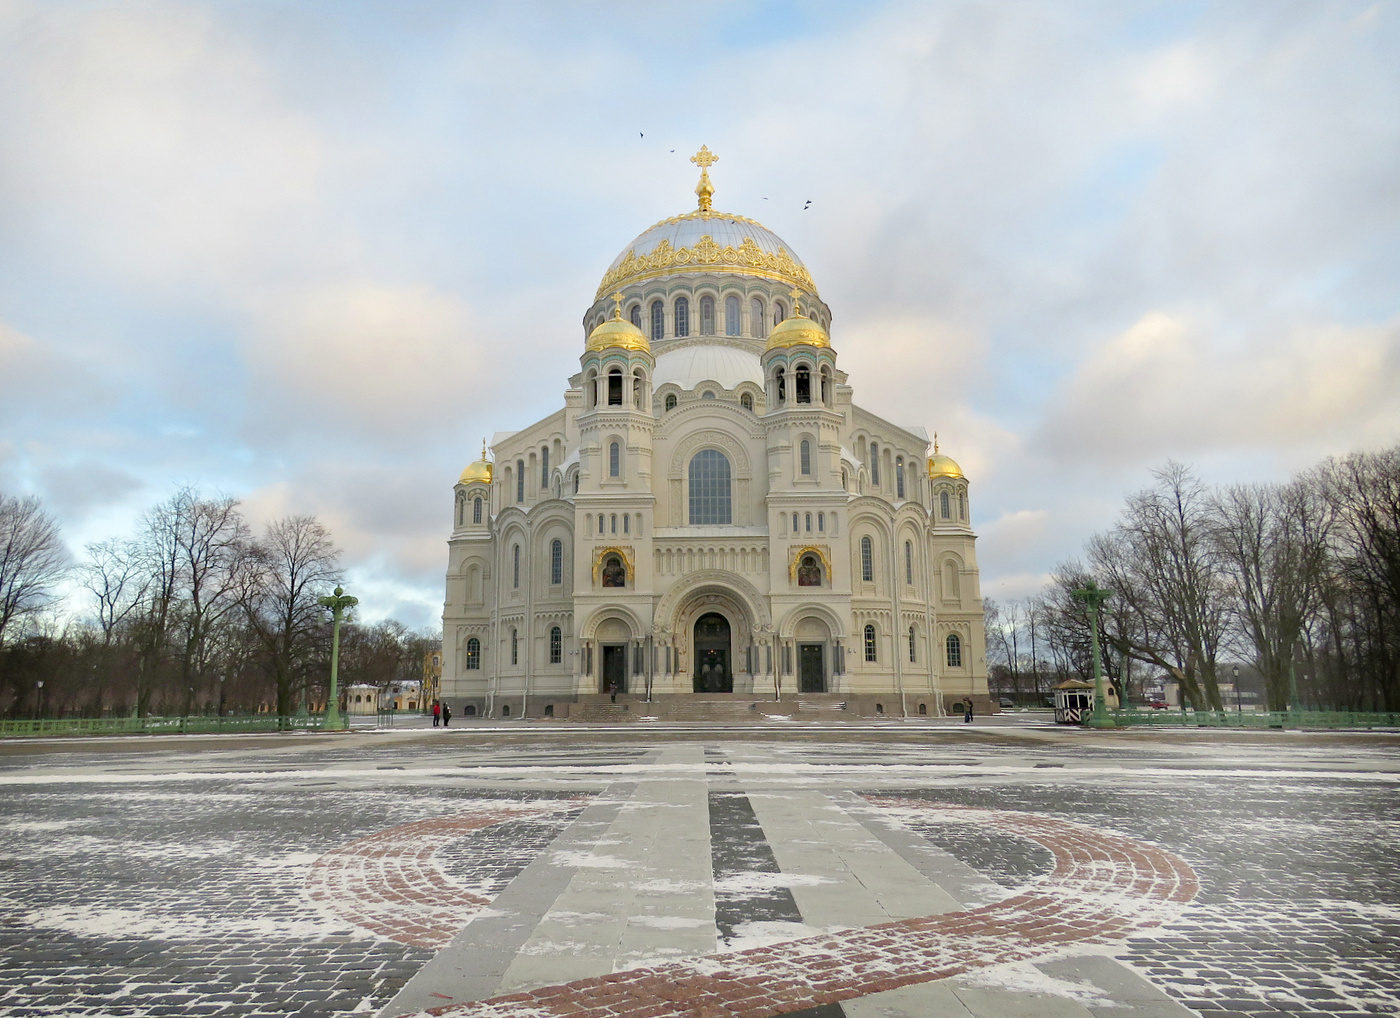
(711, 513)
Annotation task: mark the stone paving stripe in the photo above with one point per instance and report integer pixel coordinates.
(738, 850)
(1104, 887)
(470, 967)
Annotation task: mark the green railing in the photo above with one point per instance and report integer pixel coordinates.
(195, 723)
(1255, 719)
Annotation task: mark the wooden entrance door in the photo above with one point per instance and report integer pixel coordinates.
(811, 676)
(614, 667)
(712, 672)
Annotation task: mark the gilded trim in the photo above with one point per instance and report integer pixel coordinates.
(625, 552)
(746, 259)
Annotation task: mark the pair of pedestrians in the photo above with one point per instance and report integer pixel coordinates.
(441, 712)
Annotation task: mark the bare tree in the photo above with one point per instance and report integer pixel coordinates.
(295, 562)
(1161, 562)
(1364, 491)
(1273, 542)
(33, 560)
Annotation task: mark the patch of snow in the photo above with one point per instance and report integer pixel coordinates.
(1023, 977)
(752, 883)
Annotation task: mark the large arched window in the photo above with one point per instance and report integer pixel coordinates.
(962, 505)
(802, 379)
(514, 647)
(614, 460)
(635, 316)
(779, 312)
(731, 316)
(781, 378)
(461, 509)
(954, 650)
(615, 387)
(826, 387)
(670, 401)
(899, 476)
(515, 557)
(756, 320)
(870, 643)
(867, 560)
(638, 388)
(707, 315)
(473, 660)
(746, 401)
(658, 320)
(682, 317)
(556, 561)
(875, 464)
(944, 509)
(544, 466)
(476, 510)
(912, 647)
(909, 562)
(709, 489)
(806, 456)
(556, 645)
(520, 480)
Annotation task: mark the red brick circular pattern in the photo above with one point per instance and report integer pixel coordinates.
(1104, 888)
(389, 882)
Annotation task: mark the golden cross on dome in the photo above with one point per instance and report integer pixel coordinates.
(483, 448)
(935, 443)
(704, 190)
(617, 303)
(796, 296)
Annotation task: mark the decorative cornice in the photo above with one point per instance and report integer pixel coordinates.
(747, 259)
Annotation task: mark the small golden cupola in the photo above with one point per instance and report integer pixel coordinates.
(797, 330)
(480, 470)
(617, 333)
(940, 465)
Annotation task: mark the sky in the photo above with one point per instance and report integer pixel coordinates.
(309, 254)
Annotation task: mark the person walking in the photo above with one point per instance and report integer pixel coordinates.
(967, 712)
(437, 712)
(446, 715)
(612, 689)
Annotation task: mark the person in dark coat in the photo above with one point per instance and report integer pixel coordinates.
(967, 712)
(446, 715)
(612, 690)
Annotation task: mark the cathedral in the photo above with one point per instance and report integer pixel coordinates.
(710, 517)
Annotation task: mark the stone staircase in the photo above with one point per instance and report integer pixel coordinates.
(714, 710)
(809, 706)
(602, 712)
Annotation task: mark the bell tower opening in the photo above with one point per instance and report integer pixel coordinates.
(712, 671)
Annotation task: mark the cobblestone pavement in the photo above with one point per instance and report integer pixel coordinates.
(423, 870)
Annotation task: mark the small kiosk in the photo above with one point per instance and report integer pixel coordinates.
(1074, 701)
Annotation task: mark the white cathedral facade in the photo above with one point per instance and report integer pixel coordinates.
(710, 515)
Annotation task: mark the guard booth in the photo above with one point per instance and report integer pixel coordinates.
(1074, 701)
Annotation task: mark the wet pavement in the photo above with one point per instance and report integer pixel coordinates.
(894, 869)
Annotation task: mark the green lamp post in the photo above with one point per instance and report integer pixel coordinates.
(337, 603)
(1093, 596)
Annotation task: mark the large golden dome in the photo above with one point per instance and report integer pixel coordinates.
(617, 333)
(706, 241)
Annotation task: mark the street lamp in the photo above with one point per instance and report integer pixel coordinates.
(337, 603)
(39, 707)
(1239, 711)
(1093, 596)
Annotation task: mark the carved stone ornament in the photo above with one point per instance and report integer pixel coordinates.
(810, 549)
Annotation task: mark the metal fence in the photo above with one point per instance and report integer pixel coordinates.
(159, 725)
(1255, 719)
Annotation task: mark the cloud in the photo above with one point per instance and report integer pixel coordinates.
(1168, 387)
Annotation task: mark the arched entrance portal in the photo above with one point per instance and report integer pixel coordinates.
(713, 671)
